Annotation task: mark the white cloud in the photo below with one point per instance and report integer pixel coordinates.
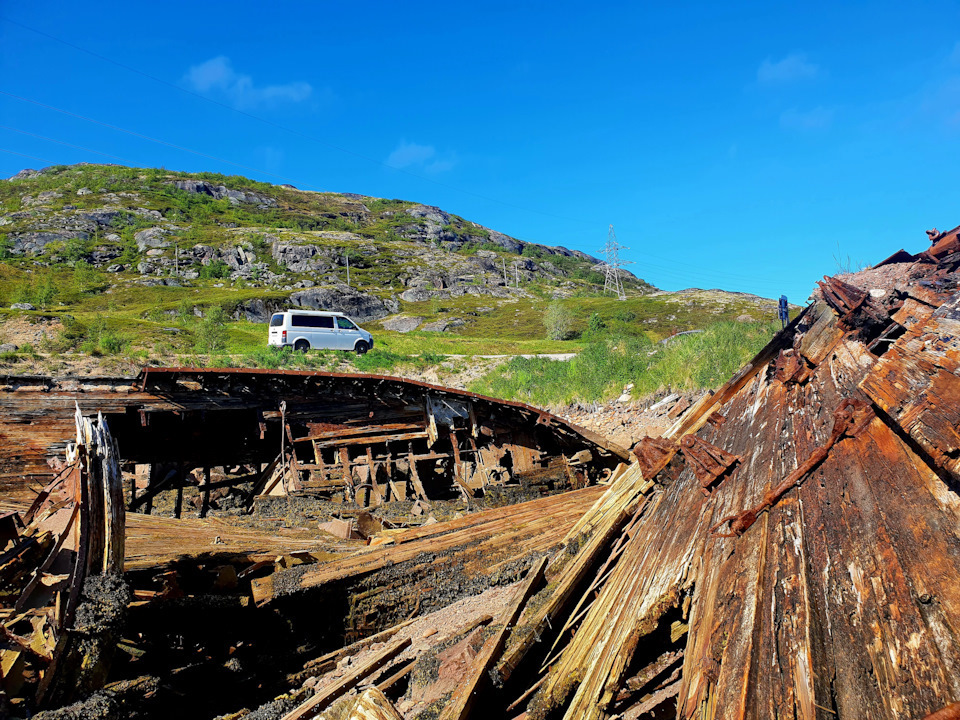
(793, 67)
(420, 157)
(217, 75)
(818, 118)
(408, 154)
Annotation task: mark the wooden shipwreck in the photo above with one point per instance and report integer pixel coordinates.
(359, 439)
(789, 548)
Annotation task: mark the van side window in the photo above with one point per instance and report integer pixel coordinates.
(277, 320)
(314, 321)
(345, 324)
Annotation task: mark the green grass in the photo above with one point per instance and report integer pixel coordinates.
(605, 366)
(113, 317)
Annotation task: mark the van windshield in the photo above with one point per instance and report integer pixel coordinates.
(277, 320)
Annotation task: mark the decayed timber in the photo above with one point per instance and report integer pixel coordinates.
(73, 532)
(428, 567)
(835, 594)
(789, 548)
(360, 439)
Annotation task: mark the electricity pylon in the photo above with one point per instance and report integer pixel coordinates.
(612, 264)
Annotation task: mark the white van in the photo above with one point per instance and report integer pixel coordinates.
(305, 329)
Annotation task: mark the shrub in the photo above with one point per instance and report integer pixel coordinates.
(558, 321)
(86, 278)
(215, 270)
(211, 333)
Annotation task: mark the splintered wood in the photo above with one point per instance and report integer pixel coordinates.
(788, 549)
(74, 530)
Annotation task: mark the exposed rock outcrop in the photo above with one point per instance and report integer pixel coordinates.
(359, 306)
(218, 192)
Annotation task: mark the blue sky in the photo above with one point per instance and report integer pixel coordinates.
(742, 146)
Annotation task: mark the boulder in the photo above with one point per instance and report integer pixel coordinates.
(144, 268)
(84, 191)
(436, 326)
(33, 243)
(114, 268)
(22, 306)
(359, 306)
(104, 255)
(151, 238)
(8, 348)
(302, 258)
(257, 310)
(218, 192)
(443, 325)
(402, 324)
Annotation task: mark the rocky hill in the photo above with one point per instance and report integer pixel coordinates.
(150, 227)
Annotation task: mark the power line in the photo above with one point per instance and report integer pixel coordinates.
(686, 275)
(147, 137)
(32, 157)
(293, 131)
(686, 272)
(62, 142)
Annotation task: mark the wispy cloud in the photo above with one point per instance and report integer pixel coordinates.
(818, 118)
(217, 75)
(425, 158)
(793, 67)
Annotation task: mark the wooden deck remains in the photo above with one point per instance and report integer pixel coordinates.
(789, 548)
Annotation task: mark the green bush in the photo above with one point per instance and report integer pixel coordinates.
(596, 323)
(211, 333)
(558, 321)
(215, 270)
(86, 278)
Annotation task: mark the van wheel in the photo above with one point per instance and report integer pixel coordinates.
(361, 347)
(301, 346)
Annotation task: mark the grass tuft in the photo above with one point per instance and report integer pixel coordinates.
(605, 366)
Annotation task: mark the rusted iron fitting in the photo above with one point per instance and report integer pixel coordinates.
(849, 420)
(789, 367)
(708, 461)
(716, 419)
(653, 454)
(841, 296)
(853, 305)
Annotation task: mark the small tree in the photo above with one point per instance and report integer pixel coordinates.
(211, 333)
(558, 321)
(596, 323)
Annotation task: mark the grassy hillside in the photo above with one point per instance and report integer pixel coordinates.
(126, 266)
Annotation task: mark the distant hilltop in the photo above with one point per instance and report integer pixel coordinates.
(155, 227)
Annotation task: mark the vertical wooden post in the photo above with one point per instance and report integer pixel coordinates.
(178, 508)
(148, 507)
(205, 506)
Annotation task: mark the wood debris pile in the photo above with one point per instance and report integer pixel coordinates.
(790, 547)
(66, 548)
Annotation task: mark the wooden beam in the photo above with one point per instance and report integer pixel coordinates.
(327, 695)
(465, 695)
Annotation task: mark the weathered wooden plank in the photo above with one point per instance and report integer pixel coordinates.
(465, 696)
(326, 695)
